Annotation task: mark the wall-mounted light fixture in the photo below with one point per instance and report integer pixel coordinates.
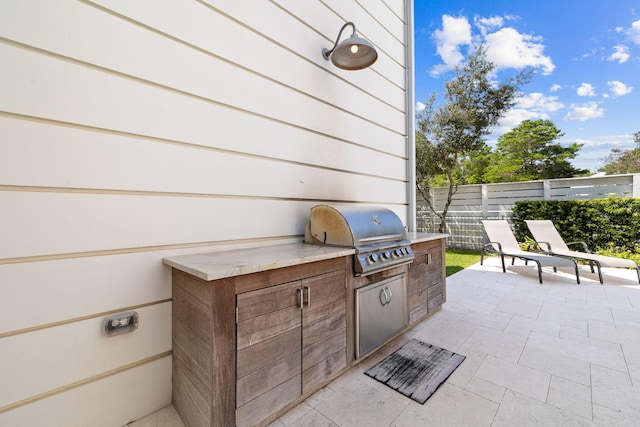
(354, 53)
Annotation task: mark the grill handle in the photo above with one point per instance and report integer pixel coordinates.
(382, 238)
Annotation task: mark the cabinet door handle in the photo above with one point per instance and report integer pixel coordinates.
(388, 293)
(306, 296)
(383, 297)
(298, 298)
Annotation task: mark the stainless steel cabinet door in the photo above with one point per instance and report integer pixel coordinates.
(381, 312)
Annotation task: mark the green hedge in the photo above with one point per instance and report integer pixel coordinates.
(606, 225)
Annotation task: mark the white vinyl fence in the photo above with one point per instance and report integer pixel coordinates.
(473, 203)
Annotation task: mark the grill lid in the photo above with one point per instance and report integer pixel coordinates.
(353, 226)
(377, 234)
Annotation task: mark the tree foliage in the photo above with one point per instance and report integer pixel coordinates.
(447, 135)
(528, 153)
(623, 161)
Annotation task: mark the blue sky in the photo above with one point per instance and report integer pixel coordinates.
(585, 54)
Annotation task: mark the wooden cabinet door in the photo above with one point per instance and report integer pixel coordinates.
(426, 279)
(290, 338)
(324, 334)
(269, 337)
(435, 279)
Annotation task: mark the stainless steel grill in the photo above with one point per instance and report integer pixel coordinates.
(377, 235)
(379, 239)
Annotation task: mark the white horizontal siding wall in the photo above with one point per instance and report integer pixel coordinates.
(132, 131)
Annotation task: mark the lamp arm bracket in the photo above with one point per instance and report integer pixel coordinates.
(326, 53)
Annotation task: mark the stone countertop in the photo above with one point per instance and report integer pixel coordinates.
(219, 265)
(415, 237)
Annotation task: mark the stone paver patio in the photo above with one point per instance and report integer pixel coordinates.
(556, 354)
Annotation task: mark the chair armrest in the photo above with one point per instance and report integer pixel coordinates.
(490, 246)
(583, 244)
(538, 245)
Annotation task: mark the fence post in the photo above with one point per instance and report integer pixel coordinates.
(485, 200)
(546, 189)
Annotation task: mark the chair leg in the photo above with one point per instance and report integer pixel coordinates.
(638, 271)
(481, 256)
(539, 271)
(577, 273)
(504, 269)
(599, 271)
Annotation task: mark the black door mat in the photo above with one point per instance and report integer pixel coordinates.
(416, 370)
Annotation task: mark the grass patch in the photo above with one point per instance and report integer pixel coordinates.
(459, 259)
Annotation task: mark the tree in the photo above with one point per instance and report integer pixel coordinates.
(474, 166)
(447, 135)
(623, 161)
(528, 153)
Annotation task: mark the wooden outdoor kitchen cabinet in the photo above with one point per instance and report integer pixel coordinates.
(245, 347)
(248, 346)
(426, 284)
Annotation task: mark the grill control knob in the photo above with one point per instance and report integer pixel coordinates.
(373, 258)
(386, 254)
(398, 252)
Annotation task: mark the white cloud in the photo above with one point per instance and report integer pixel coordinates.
(618, 88)
(608, 141)
(584, 112)
(555, 88)
(589, 54)
(621, 54)
(455, 32)
(507, 48)
(420, 106)
(634, 32)
(514, 117)
(533, 106)
(594, 150)
(538, 102)
(487, 24)
(586, 89)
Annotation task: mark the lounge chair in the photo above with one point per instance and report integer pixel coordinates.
(549, 240)
(503, 242)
